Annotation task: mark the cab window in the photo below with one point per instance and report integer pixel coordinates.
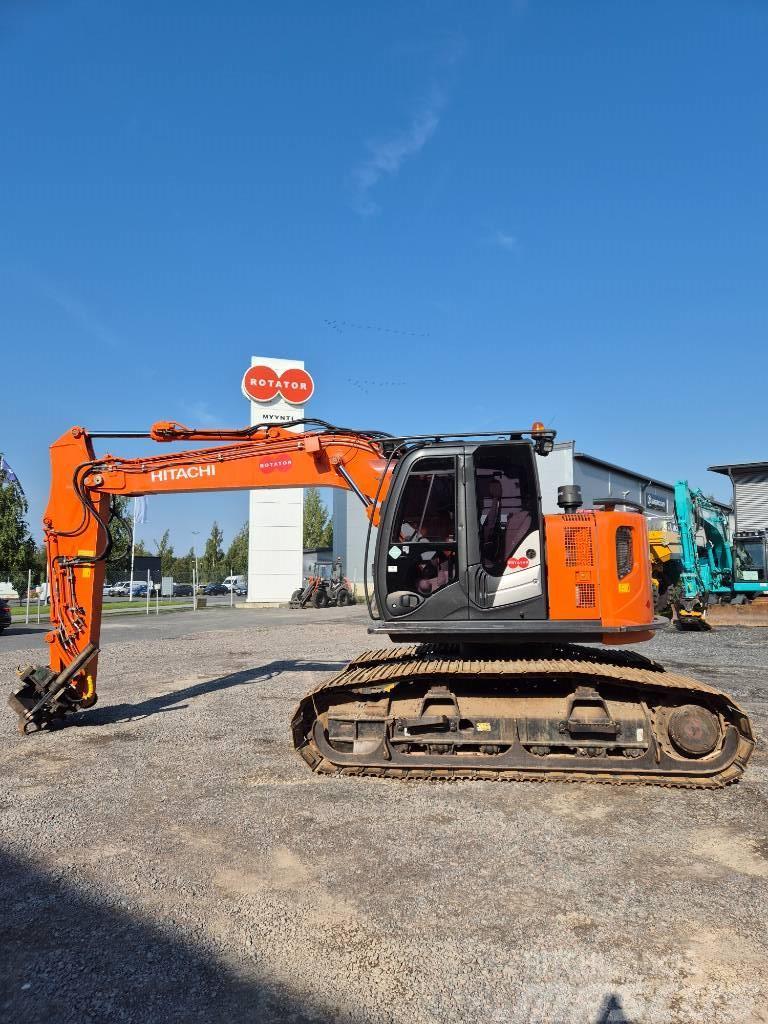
(506, 505)
(422, 553)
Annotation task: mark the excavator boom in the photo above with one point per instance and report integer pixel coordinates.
(78, 540)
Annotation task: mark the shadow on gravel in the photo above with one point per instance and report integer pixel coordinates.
(68, 958)
(176, 700)
(612, 1012)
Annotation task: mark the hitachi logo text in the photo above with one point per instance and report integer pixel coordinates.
(190, 473)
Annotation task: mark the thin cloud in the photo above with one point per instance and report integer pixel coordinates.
(451, 48)
(200, 414)
(442, 50)
(387, 157)
(74, 309)
(506, 241)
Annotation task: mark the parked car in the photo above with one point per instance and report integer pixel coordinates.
(123, 589)
(233, 582)
(241, 590)
(8, 592)
(182, 590)
(5, 614)
(215, 589)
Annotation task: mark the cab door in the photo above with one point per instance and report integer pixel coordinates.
(506, 572)
(421, 556)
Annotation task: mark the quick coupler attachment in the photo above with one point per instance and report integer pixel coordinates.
(43, 697)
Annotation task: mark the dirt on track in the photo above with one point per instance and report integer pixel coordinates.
(171, 858)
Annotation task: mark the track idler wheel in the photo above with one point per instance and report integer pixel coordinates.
(693, 730)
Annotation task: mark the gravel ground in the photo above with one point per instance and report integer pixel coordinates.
(171, 859)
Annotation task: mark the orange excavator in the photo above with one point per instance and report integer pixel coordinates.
(490, 600)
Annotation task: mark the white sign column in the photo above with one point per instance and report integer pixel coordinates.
(276, 518)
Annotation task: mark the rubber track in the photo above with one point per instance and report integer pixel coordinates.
(383, 668)
(616, 656)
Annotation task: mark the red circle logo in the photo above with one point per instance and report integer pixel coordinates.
(262, 384)
(518, 563)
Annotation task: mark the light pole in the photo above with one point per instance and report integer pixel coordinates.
(195, 533)
(133, 551)
(195, 578)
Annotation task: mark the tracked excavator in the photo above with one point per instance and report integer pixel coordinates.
(505, 621)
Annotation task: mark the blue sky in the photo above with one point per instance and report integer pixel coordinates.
(562, 208)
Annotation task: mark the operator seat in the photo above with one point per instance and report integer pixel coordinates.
(489, 491)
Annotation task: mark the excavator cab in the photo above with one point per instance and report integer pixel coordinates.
(461, 536)
(750, 549)
(465, 555)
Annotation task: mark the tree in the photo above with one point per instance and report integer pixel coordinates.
(328, 535)
(318, 528)
(120, 527)
(213, 556)
(121, 519)
(17, 549)
(183, 566)
(165, 551)
(236, 558)
(40, 567)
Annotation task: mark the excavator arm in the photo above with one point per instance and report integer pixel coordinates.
(78, 540)
(706, 571)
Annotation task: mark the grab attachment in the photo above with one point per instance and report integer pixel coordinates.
(43, 696)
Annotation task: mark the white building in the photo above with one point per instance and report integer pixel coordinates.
(276, 516)
(750, 493)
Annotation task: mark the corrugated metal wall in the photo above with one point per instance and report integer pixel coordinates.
(554, 470)
(750, 491)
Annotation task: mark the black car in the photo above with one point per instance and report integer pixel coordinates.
(182, 590)
(215, 589)
(5, 614)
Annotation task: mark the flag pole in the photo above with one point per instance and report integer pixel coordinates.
(133, 548)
